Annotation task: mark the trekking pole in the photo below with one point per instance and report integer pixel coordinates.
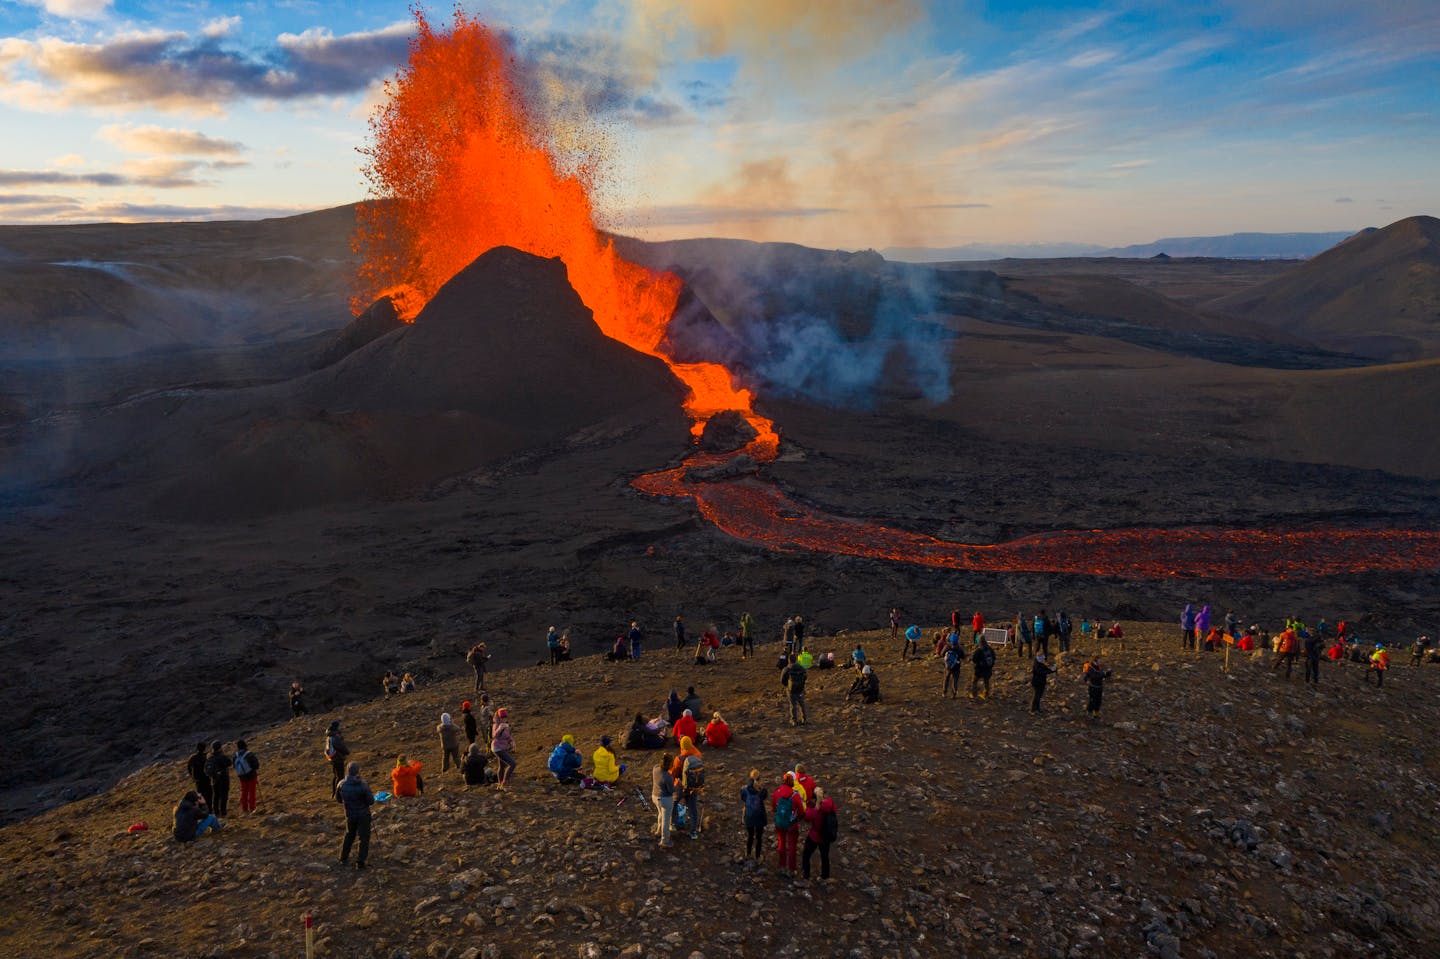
(309, 936)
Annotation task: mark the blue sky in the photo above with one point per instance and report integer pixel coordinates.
(853, 123)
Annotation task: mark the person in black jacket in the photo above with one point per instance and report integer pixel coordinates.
(474, 766)
(1095, 675)
(984, 660)
(196, 768)
(1313, 644)
(471, 730)
(1040, 673)
(793, 678)
(217, 767)
(193, 819)
(357, 798)
(336, 751)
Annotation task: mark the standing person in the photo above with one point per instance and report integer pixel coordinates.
(977, 624)
(637, 638)
(824, 830)
(217, 767)
(954, 659)
(449, 742)
(679, 635)
(1066, 628)
(1417, 651)
(1202, 624)
(894, 622)
(912, 642)
(1095, 675)
(247, 770)
(199, 759)
(954, 620)
(788, 810)
(787, 636)
(1040, 674)
(1314, 646)
(502, 742)
(1187, 627)
(747, 636)
(1232, 626)
(552, 643)
(692, 783)
(1286, 644)
(1379, 663)
(477, 658)
(193, 818)
(1044, 629)
(800, 633)
(485, 718)
(752, 803)
(1025, 633)
(357, 799)
(793, 679)
(472, 729)
(662, 794)
(984, 661)
(297, 700)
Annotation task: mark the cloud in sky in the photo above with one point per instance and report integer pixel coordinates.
(72, 9)
(159, 140)
(174, 71)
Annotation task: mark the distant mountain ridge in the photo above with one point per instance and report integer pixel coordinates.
(1235, 246)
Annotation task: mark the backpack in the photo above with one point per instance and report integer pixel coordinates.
(473, 656)
(216, 765)
(829, 827)
(784, 812)
(952, 658)
(329, 747)
(692, 774)
(754, 803)
(242, 764)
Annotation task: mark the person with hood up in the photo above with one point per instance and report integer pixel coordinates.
(685, 726)
(474, 767)
(1312, 650)
(607, 770)
(1202, 622)
(502, 742)
(199, 759)
(405, 778)
(717, 732)
(193, 818)
(752, 805)
(912, 642)
(692, 701)
(983, 660)
(1187, 627)
(336, 751)
(674, 708)
(1040, 674)
(747, 635)
(471, 728)
(247, 770)
(824, 830)
(1379, 663)
(565, 760)
(449, 742)
(357, 799)
(646, 735)
(687, 749)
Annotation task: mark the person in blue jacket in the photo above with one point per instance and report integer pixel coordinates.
(565, 761)
(912, 642)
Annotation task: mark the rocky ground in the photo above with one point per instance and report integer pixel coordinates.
(1205, 814)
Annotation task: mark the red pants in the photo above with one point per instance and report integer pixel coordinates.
(785, 846)
(247, 793)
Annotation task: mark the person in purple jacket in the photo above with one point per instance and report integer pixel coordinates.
(1187, 627)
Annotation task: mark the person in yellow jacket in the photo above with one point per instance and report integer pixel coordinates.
(607, 770)
(1379, 662)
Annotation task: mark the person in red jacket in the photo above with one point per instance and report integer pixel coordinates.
(717, 732)
(788, 810)
(977, 623)
(805, 784)
(824, 827)
(685, 726)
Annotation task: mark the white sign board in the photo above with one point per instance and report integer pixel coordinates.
(995, 637)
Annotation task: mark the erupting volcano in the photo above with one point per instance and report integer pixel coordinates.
(461, 160)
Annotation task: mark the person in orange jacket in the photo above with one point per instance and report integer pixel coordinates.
(1285, 650)
(405, 778)
(687, 748)
(1379, 662)
(717, 732)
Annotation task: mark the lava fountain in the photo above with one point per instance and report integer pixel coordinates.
(460, 161)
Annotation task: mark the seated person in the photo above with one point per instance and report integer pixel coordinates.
(674, 708)
(728, 639)
(1336, 652)
(685, 725)
(565, 760)
(405, 778)
(193, 818)
(407, 685)
(692, 702)
(1115, 632)
(857, 657)
(619, 652)
(606, 769)
(806, 658)
(1246, 643)
(474, 766)
(825, 662)
(391, 682)
(646, 735)
(717, 732)
(563, 651)
(1215, 639)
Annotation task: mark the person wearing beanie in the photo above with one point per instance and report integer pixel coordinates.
(337, 752)
(565, 760)
(449, 742)
(217, 767)
(752, 804)
(717, 732)
(196, 768)
(357, 799)
(502, 743)
(485, 718)
(405, 778)
(685, 725)
(247, 770)
(471, 730)
(607, 770)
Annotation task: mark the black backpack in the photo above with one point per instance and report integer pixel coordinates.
(829, 827)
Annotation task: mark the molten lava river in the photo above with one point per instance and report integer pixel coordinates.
(461, 161)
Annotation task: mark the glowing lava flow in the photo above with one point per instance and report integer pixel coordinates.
(460, 164)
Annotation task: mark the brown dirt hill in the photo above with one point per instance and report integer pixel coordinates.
(1206, 814)
(1376, 295)
(503, 359)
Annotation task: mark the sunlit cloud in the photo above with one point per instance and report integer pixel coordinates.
(160, 140)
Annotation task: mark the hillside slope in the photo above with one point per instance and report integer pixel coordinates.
(1205, 814)
(1376, 295)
